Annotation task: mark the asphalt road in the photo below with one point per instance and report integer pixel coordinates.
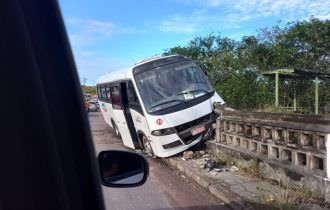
(164, 189)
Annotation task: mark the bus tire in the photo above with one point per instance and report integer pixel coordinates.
(146, 146)
(116, 130)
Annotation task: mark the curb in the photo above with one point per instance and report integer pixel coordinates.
(232, 200)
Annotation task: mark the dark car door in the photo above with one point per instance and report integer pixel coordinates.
(47, 157)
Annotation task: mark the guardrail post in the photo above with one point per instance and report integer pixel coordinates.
(218, 129)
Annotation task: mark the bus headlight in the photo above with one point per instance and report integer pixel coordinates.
(163, 132)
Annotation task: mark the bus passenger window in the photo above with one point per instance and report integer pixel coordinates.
(131, 94)
(103, 93)
(115, 96)
(98, 92)
(107, 90)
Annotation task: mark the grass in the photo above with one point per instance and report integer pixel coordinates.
(291, 198)
(250, 167)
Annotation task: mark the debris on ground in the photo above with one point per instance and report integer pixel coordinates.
(206, 156)
(224, 172)
(188, 155)
(213, 173)
(233, 169)
(202, 152)
(201, 163)
(205, 161)
(210, 164)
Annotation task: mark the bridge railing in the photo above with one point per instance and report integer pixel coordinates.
(296, 140)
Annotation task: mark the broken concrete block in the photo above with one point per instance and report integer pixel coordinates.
(210, 164)
(206, 156)
(188, 154)
(202, 166)
(213, 173)
(233, 169)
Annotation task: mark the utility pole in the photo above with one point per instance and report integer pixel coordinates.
(276, 88)
(317, 82)
(84, 80)
(294, 97)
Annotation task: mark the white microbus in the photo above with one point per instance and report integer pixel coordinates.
(163, 105)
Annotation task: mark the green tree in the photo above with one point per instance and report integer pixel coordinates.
(89, 89)
(235, 67)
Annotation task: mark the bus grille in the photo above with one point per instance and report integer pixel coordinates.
(172, 144)
(188, 138)
(193, 123)
(184, 132)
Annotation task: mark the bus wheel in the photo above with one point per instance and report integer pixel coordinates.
(147, 146)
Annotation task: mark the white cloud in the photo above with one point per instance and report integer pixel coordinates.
(204, 3)
(178, 24)
(283, 9)
(183, 23)
(93, 26)
(268, 7)
(220, 14)
(86, 31)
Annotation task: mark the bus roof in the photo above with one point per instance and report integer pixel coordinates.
(127, 72)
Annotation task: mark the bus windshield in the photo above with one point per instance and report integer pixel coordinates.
(171, 85)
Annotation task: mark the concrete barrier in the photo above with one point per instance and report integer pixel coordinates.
(299, 144)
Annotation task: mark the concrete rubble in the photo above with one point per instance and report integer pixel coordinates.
(188, 155)
(225, 181)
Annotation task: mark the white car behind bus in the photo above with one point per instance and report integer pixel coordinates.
(162, 105)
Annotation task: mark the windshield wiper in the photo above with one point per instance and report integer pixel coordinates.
(191, 91)
(166, 102)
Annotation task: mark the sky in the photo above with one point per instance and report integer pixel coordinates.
(108, 35)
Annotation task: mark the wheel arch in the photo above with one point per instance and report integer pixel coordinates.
(112, 122)
(139, 134)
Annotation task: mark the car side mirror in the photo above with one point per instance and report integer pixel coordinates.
(122, 168)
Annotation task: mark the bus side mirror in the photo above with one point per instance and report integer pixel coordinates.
(122, 168)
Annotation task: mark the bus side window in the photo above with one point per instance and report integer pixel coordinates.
(133, 100)
(131, 94)
(103, 93)
(115, 96)
(107, 90)
(98, 92)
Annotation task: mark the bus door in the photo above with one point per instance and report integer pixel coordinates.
(126, 101)
(135, 109)
(119, 117)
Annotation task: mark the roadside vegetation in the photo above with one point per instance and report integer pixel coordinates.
(294, 198)
(89, 89)
(235, 67)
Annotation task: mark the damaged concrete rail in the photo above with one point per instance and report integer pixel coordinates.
(287, 146)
